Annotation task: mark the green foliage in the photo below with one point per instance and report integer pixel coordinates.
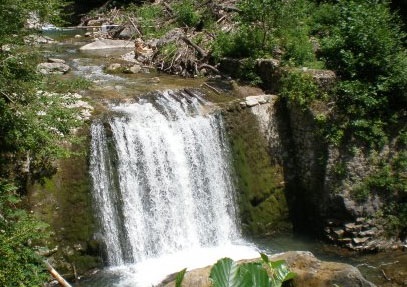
(299, 88)
(60, 84)
(32, 123)
(363, 43)
(14, 14)
(228, 273)
(19, 264)
(148, 17)
(187, 14)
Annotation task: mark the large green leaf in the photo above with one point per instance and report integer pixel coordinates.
(280, 272)
(226, 273)
(180, 277)
(255, 275)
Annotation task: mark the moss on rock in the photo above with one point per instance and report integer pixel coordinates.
(65, 203)
(260, 183)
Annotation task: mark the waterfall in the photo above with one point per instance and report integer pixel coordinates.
(161, 178)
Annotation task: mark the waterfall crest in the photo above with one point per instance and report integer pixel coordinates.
(162, 180)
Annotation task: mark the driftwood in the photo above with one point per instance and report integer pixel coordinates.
(200, 51)
(209, 67)
(56, 275)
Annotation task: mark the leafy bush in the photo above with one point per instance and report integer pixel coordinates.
(19, 264)
(187, 14)
(149, 16)
(363, 43)
(299, 88)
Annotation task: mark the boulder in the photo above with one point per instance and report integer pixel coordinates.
(107, 44)
(133, 69)
(115, 67)
(310, 271)
(52, 68)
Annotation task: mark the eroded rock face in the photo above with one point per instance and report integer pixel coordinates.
(310, 271)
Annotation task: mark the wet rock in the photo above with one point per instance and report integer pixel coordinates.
(107, 44)
(115, 67)
(52, 68)
(133, 69)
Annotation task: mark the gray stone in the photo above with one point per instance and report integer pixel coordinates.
(52, 68)
(107, 44)
(127, 33)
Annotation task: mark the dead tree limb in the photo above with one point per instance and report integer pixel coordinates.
(200, 51)
(56, 275)
(209, 67)
(135, 27)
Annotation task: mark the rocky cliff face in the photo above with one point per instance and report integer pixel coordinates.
(320, 179)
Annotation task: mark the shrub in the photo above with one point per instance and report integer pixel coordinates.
(363, 44)
(298, 88)
(187, 13)
(19, 264)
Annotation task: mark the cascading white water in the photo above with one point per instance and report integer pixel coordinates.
(164, 185)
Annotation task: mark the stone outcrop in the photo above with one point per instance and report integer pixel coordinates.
(310, 271)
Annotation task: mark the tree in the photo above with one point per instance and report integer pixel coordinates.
(33, 124)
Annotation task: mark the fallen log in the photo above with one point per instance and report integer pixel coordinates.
(56, 275)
